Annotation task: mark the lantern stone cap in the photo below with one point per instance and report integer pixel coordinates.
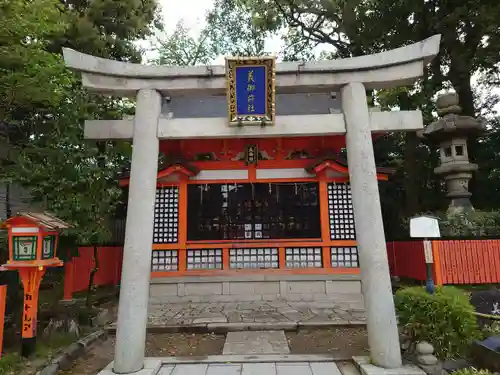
(452, 123)
(45, 219)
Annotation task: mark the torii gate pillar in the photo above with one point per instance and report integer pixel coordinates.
(383, 337)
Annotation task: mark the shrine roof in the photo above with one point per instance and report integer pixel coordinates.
(183, 167)
(44, 219)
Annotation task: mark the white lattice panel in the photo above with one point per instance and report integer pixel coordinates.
(341, 212)
(344, 257)
(165, 260)
(304, 257)
(204, 259)
(166, 219)
(254, 258)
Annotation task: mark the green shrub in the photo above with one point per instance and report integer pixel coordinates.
(445, 319)
(471, 371)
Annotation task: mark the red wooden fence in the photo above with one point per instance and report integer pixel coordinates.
(455, 262)
(406, 259)
(77, 271)
(468, 262)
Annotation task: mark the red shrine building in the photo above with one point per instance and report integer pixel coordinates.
(274, 211)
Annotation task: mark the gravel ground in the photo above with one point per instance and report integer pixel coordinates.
(157, 345)
(342, 342)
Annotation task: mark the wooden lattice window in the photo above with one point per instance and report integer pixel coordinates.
(204, 259)
(165, 260)
(254, 258)
(166, 219)
(341, 212)
(344, 257)
(304, 257)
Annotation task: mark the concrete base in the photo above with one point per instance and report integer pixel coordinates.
(366, 368)
(292, 288)
(152, 366)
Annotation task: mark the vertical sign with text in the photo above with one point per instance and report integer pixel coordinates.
(251, 91)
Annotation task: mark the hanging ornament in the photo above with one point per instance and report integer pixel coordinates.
(296, 187)
(270, 189)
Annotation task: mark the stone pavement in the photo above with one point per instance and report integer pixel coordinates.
(270, 368)
(283, 315)
(256, 342)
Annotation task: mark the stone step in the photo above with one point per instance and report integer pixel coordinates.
(256, 342)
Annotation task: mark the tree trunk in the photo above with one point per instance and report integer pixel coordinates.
(8, 205)
(92, 278)
(411, 177)
(412, 192)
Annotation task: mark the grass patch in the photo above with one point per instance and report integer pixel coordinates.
(49, 346)
(46, 348)
(10, 363)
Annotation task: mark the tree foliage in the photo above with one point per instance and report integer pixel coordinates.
(25, 31)
(73, 177)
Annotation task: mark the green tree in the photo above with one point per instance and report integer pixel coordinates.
(73, 177)
(183, 49)
(25, 31)
(109, 28)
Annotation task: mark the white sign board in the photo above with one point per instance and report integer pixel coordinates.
(424, 227)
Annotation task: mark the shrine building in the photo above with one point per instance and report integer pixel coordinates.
(250, 219)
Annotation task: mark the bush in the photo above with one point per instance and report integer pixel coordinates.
(445, 319)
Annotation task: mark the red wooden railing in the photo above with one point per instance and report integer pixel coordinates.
(468, 262)
(406, 259)
(77, 271)
(455, 262)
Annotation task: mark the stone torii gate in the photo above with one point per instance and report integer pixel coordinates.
(352, 77)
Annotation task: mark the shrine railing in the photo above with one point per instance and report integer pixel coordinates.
(280, 257)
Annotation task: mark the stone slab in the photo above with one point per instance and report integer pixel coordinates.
(297, 368)
(258, 315)
(268, 368)
(366, 368)
(258, 368)
(256, 342)
(265, 358)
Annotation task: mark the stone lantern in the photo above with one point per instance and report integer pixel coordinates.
(450, 132)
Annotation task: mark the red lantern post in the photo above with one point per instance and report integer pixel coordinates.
(33, 239)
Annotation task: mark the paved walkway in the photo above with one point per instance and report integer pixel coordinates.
(281, 314)
(272, 368)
